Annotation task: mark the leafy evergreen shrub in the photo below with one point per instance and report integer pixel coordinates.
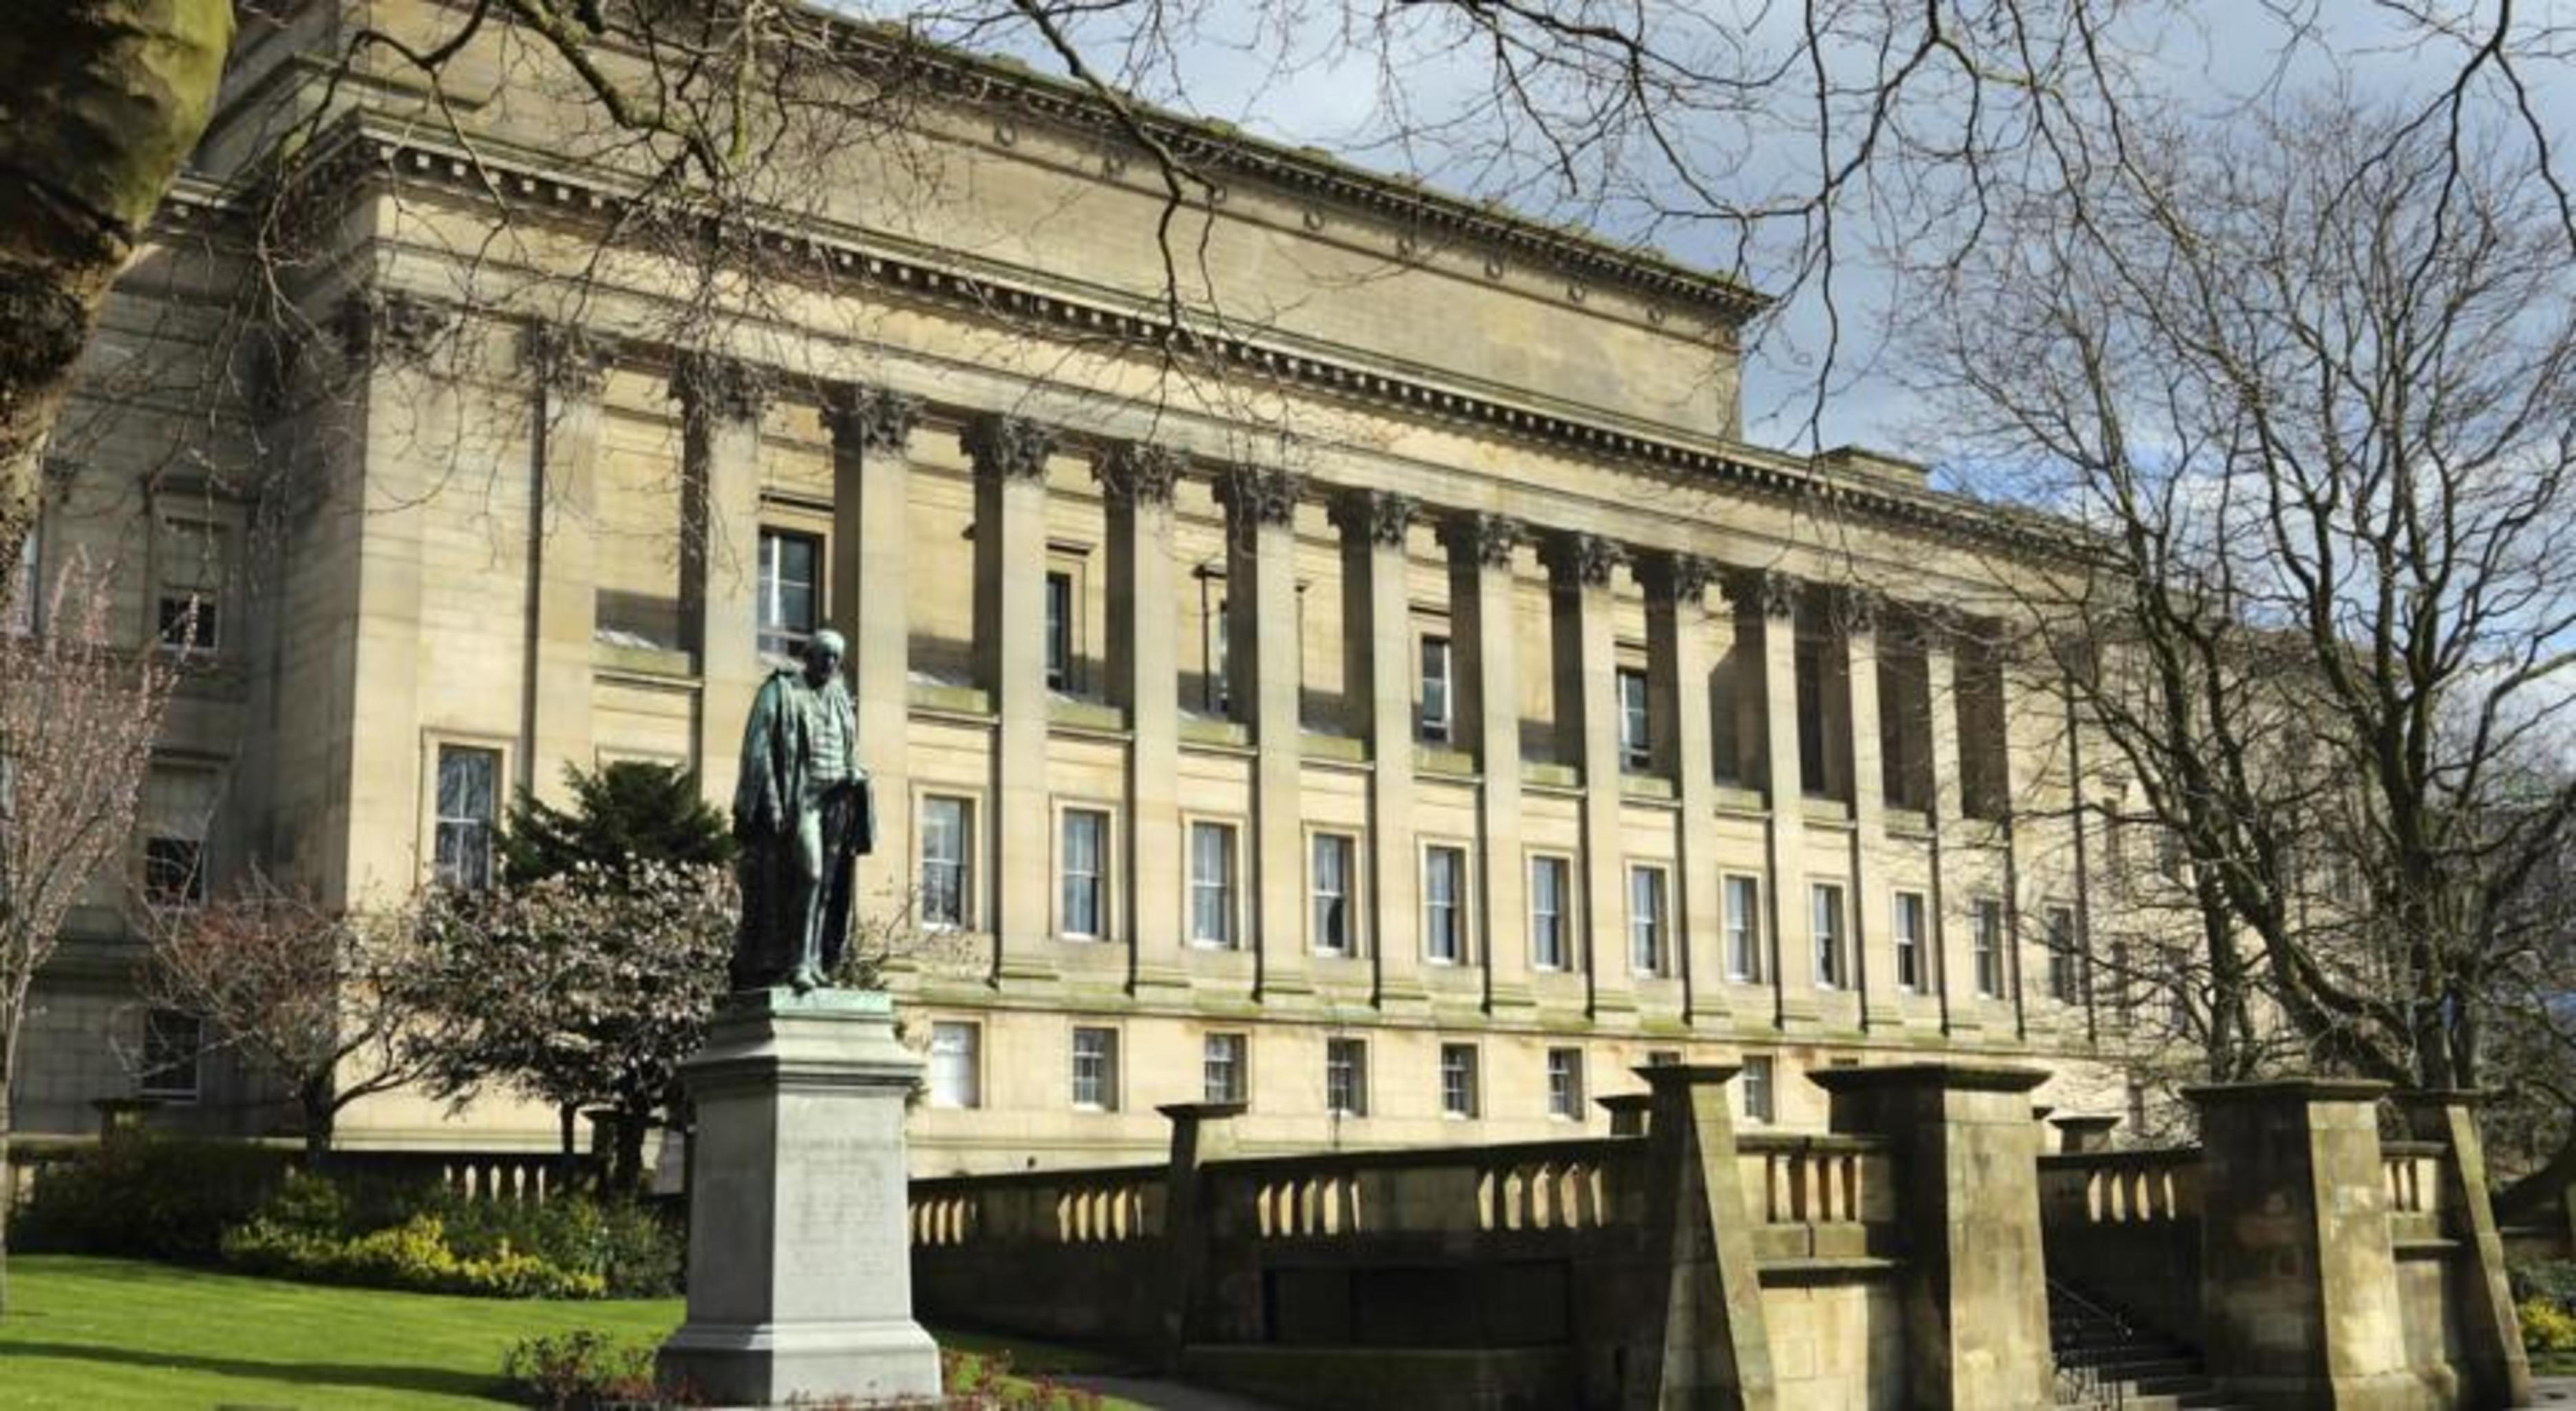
(331, 1229)
(149, 1197)
(414, 1255)
(582, 1370)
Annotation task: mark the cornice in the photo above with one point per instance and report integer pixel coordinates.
(357, 152)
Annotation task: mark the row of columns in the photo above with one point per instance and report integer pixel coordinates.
(871, 432)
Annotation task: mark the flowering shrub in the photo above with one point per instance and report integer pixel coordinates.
(414, 1255)
(2546, 1327)
(586, 1369)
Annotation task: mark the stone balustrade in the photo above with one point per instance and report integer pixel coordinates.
(2138, 1187)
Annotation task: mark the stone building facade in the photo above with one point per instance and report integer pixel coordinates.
(1401, 700)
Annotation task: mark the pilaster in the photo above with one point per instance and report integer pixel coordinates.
(1485, 645)
(1143, 659)
(720, 405)
(1580, 567)
(1262, 662)
(1793, 959)
(1377, 626)
(567, 367)
(1010, 457)
(1678, 672)
(871, 431)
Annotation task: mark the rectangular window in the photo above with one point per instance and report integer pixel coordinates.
(1334, 858)
(1212, 884)
(1221, 1067)
(1059, 631)
(1346, 1077)
(1636, 722)
(947, 862)
(1444, 889)
(790, 602)
(956, 1078)
(1743, 928)
(1436, 722)
(1826, 920)
(174, 871)
(173, 1044)
(1458, 1080)
(1759, 1072)
(194, 568)
(1565, 1084)
(1647, 923)
(1989, 943)
(1910, 946)
(2065, 966)
(1548, 921)
(1095, 1069)
(469, 809)
(1085, 865)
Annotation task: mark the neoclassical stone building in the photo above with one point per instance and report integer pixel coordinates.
(1400, 700)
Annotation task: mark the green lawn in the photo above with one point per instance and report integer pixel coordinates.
(117, 1333)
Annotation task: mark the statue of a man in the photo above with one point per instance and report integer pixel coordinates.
(803, 811)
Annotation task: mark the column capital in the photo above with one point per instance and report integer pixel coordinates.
(1779, 593)
(1139, 473)
(393, 326)
(1488, 538)
(1382, 516)
(1262, 496)
(1008, 447)
(1586, 558)
(728, 388)
(1676, 577)
(1855, 611)
(871, 418)
(568, 360)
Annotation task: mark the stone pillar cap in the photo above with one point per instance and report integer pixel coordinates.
(2441, 1097)
(2303, 1089)
(1626, 1102)
(1201, 1111)
(1975, 1077)
(2082, 1122)
(1688, 1074)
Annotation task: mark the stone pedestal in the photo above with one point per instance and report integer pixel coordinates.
(800, 1281)
(2298, 1275)
(2491, 1354)
(1965, 1156)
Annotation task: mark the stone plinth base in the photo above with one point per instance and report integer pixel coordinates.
(800, 1279)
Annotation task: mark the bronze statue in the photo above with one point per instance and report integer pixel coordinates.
(804, 813)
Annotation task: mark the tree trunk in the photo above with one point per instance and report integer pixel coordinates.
(106, 99)
(319, 1096)
(8, 1188)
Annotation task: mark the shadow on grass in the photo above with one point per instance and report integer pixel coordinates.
(387, 1378)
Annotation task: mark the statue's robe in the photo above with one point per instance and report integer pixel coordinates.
(778, 932)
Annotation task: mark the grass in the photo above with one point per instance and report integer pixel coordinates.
(109, 1333)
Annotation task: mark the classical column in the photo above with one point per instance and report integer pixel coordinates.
(871, 478)
(1793, 958)
(1136, 484)
(1377, 628)
(1579, 570)
(1953, 937)
(1485, 694)
(1677, 670)
(1010, 457)
(720, 403)
(1873, 973)
(1262, 671)
(570, 368)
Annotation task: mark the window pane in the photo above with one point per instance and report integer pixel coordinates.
(468, 807)
(173, 1044)
(953, 1062)
(1743, 928)
(945, 876)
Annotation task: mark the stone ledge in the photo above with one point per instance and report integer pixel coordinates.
(2303, 1089)
(1976, 1077)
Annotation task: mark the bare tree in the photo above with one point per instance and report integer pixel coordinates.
(306, 991)
(78, 717)
(2305, 395)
